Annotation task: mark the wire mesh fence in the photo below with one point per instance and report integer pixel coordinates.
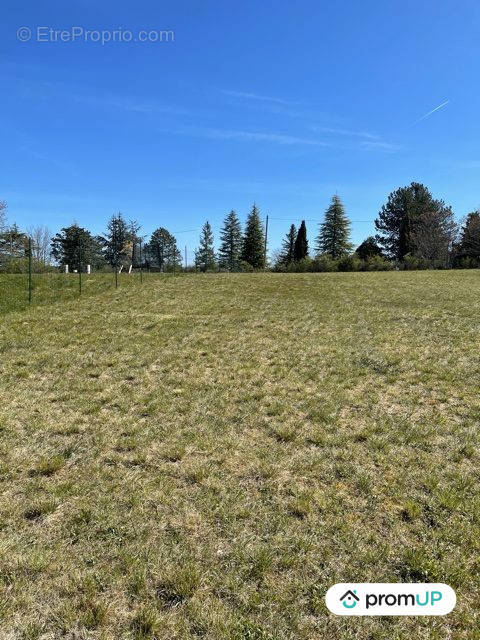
(26, 281)
(18, 291)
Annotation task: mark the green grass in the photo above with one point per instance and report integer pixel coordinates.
(202, 457)
(48, 288)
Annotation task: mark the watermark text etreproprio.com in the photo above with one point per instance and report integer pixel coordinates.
(96, 36)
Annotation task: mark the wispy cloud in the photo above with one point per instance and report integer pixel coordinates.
(266, 137)
(252, 136)
(380, 145)
(427, 115)
(364, 139)
(110, 101)
(280, 139)
(346, 133)
(255, 96)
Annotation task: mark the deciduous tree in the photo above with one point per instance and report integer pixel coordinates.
(3, 215)
(432, 235)
(41, 237)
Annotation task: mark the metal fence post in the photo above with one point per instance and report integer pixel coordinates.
(79, 270)
(29, 270)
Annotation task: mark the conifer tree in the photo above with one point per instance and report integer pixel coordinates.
(368, 248)
(74, 244)
(231, 246)
(116, 242)
(300, 249)
(13, 245)
(334, 236)
(205, 254)
(413, 222)
(470, 237)
(288, 245)
(253, 250)
(162, 250)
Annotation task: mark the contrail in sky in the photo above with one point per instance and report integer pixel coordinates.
(440, 106)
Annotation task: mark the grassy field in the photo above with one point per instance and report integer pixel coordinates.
(202, 457)
(48, 288)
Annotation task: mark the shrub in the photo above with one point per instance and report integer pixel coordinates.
(377, 263)
(349, 263)
(246, 267)
(20, 265)
(324, 263)
(411, 263)
(301, 266)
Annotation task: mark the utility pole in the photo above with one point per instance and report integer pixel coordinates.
(186, 257)
(141, 269)
(265, 248)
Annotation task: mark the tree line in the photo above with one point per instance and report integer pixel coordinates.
(413, 231)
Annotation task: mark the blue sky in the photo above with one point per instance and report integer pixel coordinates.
(278, 102)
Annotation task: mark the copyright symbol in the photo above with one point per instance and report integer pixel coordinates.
(24, 34)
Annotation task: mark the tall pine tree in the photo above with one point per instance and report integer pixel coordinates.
(253, 250)
(205, 254)
(117, 251)
(288, 246)
(470, 237)
(334, 236)
(300, 249)
(231, 243)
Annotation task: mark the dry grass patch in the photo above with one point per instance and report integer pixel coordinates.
(204, 456)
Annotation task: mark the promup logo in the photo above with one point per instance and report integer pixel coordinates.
(395, 599)
(350, 599)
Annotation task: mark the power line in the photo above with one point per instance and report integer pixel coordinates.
(313, 220)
